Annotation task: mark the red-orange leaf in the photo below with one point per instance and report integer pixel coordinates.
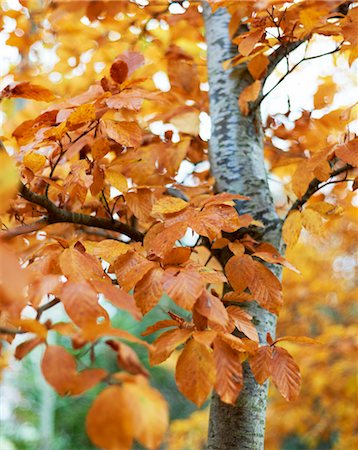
(195, 372)
(28, 90)
(119, 71)
(130, 268)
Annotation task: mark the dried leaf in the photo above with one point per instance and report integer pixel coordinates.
(291, 229)
(166, 343)
(285, 374)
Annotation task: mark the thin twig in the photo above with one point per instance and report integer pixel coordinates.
(46, 306)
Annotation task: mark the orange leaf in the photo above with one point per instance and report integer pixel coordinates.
(195, 372)
(81, 303)
(108, 423)
(183, 286)
(166, 343)
(348, 152)
(243, 322)
(312, 221)
(28, 90)
(159, 326)
(240, 271)
(257, 66)
(266, 288)
(285, 374)
(117, 296)
(128, 134)
(25, 347)
(78, 266)
(297, 340)
(127, 358)
(261, 363)
(150, 413)
(131, 268)
(248, 43)
(59, 369)
(168, 205)
(229, 377)
(149, 289)
(249, 94)
(108, 249)
(212, 308)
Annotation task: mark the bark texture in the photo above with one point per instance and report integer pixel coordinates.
(237, 162)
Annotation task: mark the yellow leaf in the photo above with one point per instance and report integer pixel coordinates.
(312, 221)
(187, 122)
(9, 179)
(128, 134)
(291, 229)
(168, 205)
(84, 113)
(117, 180)
(108, 249)
(34, 161)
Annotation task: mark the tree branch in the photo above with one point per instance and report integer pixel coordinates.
(46, 306)
(58, 215)
(24, 229)
(315, 185)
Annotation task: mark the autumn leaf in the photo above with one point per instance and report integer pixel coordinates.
(261, 363)
(167, 342)
(119, 71)
(84, 113)
(117, 180)
(128, 134)
(149, 289)
(195, 372)
(248, 43)
(59, 369)
(243, 322)
(78, 266)
(212, 308)
(312, 221)
(34, 161)
(150, 413)
(266, 288)
(184, 286)
(257, 66)
(9, 180)
(240, 271)
(249, 94)
(108, 423)
(348, 152)
(229, 376)
(131, 268)
(168, 205)
(291, 229)
(127, 358)
(29, 91)
(285, 374)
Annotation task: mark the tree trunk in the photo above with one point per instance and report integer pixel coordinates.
(237, 162)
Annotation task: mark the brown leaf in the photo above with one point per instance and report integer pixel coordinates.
(119, 71)
(249, 94)
(195, 372)
(348, 152)
(127, 358)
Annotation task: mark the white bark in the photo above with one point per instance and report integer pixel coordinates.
(237, 162)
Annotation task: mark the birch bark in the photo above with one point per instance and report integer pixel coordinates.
(237, 162)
